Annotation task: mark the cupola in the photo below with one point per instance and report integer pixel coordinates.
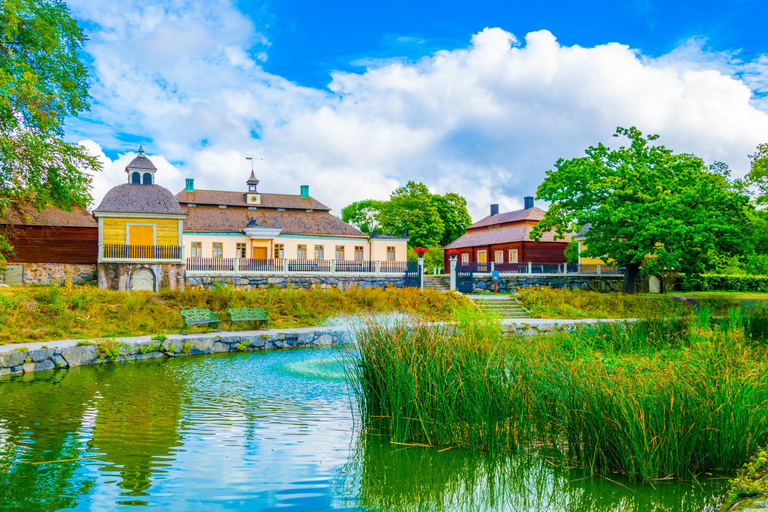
(252, 197)
(141, 170)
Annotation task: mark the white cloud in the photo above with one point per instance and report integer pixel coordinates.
(486, 121)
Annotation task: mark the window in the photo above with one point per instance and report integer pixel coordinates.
(465, 257)
(136, 178)
(513, 255)
(240, 250)
(391, 253)
(197, 249)
(301, 252)
(218, 250)
(340, 252)
(147, 178)
(319, 252)
(279, 251)
(498, 257)
(359, 253)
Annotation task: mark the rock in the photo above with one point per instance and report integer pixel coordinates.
(148, 355)
(5, 371)
(41, 354)
(40, 366)
(58, 361)
(219, 347)
(79, 356)
(13, 358)
(324, 340)
(200, 346)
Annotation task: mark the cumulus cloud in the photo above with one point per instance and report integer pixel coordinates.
(486, 121)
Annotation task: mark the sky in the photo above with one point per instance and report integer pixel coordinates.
(357, 98)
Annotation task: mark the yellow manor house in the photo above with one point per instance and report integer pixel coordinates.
(253, 225)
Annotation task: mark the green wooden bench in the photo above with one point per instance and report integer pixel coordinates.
(247, 315)
(198, 317)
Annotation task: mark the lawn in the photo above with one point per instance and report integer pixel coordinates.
(48, 313)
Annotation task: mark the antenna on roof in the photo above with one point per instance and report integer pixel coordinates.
(252, 159)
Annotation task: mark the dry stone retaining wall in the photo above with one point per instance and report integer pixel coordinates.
(18, 362)
(54, 273)
(340, 281)
(510, 283)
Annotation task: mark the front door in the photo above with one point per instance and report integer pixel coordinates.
(259, 253)
(481, 256)
(140, 241)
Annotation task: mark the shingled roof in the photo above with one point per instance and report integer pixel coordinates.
(227, 198)
(134, 198)
(234, 220)
(50, 217)
(531, 214)
(503, 235)
(141, 162)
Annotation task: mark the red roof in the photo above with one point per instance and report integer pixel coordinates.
(532, 214)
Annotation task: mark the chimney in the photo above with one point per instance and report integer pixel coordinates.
(494, 209)
(405, 234)
(190, 185)
(374, 234)
(528, 202)
(305, 191)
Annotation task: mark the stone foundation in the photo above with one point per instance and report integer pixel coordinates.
(54, 273)
(141, 276)
(510, 283)
(340, 281)
(19, 362)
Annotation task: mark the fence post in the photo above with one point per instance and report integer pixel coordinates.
(530, 268)
(333, 266)
(565, 268)
(421, 273)
(493, 266)
(598, 269)
(378, 267)
(285, 266)
(101, 252)
(453, 274)
(236, 265)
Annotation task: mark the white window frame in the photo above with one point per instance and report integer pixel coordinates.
(498, 256)
(485, 256)
(514, 256)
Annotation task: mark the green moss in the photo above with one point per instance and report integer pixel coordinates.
(186, 348)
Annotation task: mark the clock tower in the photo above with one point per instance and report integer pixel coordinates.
(252, 197)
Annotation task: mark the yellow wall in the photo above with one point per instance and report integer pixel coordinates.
(166, 230)
(291, 243)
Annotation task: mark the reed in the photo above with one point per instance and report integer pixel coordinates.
(650, 399)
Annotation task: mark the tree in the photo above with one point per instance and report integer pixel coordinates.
(364, 215)
(42, 82)
(758, 173)
(645, 204)
(453, 211)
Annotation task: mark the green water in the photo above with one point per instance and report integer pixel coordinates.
(261, 431)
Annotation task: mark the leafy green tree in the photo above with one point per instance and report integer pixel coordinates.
(42, 82)
(645, 204)
(453, 211)
(411, 209)
(758, 174)
(364, 215)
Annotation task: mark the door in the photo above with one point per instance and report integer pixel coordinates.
(14, 275)
(260, 253)
(481, 256)
(140, 241)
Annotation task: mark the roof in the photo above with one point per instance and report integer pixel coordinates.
(53, 217)
(141, 162)
(502, 235)
(233, 220)
(134, 198)
(583, 231)
(388, 237)
(227, 198)
(532, 214)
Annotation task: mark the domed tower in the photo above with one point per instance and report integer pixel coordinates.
(140, 233)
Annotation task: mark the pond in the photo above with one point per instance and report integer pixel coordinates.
(261, 431)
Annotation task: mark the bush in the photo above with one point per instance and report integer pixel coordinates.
(723, 282)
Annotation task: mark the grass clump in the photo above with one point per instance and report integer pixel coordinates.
(650, 399)
(91, 313)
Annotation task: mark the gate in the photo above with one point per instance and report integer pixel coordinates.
(464, 281)
(412, 279)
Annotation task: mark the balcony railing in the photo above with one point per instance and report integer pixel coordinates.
(289, 266)
(141, 252)
(540, 268)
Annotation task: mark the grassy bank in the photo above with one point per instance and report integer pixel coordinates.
(558, 303)
(29, 314)
(655, 399)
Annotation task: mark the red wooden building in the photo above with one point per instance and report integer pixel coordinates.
(505, 238)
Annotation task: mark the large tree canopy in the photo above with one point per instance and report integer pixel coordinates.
(758, 174)
(645, 204)
(42, 82)
(431, 220)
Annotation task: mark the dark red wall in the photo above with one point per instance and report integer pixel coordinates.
(33, 244)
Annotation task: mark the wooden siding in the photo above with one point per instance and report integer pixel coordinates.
(544, 252)
(167, 230)
(36, 244)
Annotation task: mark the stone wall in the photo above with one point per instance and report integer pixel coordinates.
(510, 283)
(54, 273)
(124, 276)
(305, 281)
(19, 362)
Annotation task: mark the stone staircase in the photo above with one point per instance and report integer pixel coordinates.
(504, 306)
(442, 283)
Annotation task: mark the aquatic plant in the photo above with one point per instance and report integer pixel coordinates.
(648, 399)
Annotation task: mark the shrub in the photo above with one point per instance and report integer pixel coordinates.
(723, 282)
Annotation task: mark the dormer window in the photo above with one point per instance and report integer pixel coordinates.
(281, 209)
(222, 206)
(136, 178)
(147, 178)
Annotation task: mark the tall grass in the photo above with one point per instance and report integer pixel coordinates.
(649, 399)
(52, 313)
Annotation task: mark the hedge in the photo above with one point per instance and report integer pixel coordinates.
(721, 282)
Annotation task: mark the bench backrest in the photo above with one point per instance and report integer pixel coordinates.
(191, 315)
(240, 313)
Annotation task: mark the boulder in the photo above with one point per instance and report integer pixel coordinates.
(79, 356)
(41, 354)
(13, 358)
(39, 366)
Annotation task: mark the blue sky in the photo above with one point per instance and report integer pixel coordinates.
(357, 98)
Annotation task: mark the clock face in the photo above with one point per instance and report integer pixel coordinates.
(253, 199)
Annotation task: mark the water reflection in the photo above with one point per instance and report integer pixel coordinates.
(257, 431)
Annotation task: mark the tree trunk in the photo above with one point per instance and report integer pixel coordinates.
(630, 276)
